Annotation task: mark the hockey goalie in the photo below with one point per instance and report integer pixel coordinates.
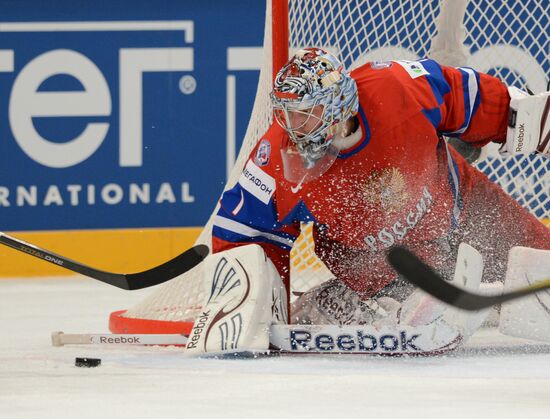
(362, 156)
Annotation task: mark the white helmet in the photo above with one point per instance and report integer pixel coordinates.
(313, 84)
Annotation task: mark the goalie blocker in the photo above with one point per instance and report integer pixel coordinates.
(245, 310)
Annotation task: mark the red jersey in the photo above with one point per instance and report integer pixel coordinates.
(400, 184)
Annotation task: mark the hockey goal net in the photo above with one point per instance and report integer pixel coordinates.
(506, 38)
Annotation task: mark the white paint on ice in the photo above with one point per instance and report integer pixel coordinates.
(494, 377)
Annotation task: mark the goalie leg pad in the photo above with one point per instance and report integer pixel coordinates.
(423, 309)
(244, 296)
(527, 317)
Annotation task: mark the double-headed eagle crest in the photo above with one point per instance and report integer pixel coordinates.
(386, 188)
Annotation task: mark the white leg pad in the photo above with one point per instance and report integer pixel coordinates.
(468, 275)
(421, 308)
(244, 296)
(528, 317)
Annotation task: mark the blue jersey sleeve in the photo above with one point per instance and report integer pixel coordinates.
(248, 212)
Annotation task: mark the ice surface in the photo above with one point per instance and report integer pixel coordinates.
(493, 377)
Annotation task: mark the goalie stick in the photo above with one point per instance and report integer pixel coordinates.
(134, 281)
(62, 339)
(432, 339)
(409, 265)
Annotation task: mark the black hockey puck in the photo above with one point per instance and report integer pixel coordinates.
(87, 362)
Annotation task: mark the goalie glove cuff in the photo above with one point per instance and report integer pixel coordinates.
(528, 123)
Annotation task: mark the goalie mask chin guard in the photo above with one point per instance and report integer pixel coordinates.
(311, 98)
(298, 169)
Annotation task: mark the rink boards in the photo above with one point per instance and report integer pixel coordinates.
(123, 251)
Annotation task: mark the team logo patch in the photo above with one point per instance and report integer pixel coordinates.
(414, 68)
(263, 152)
(257, 182)
(386, 188)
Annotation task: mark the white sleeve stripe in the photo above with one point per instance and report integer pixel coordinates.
(239, 205)
(245, 230)
(472, 89)
(456, 184)
(472, 94)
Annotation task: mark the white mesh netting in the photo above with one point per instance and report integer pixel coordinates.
(506, 38)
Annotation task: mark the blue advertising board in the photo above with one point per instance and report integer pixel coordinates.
(114, 114)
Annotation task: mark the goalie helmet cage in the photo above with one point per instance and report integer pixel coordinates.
(506, 38)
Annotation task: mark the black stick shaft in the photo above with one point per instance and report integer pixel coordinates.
(411, 267)
(154, 276)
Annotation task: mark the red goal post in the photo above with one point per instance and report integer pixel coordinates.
(506, 38)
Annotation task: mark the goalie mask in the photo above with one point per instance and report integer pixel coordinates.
(311, 97)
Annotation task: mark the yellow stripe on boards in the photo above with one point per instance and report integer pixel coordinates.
(122, 251)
